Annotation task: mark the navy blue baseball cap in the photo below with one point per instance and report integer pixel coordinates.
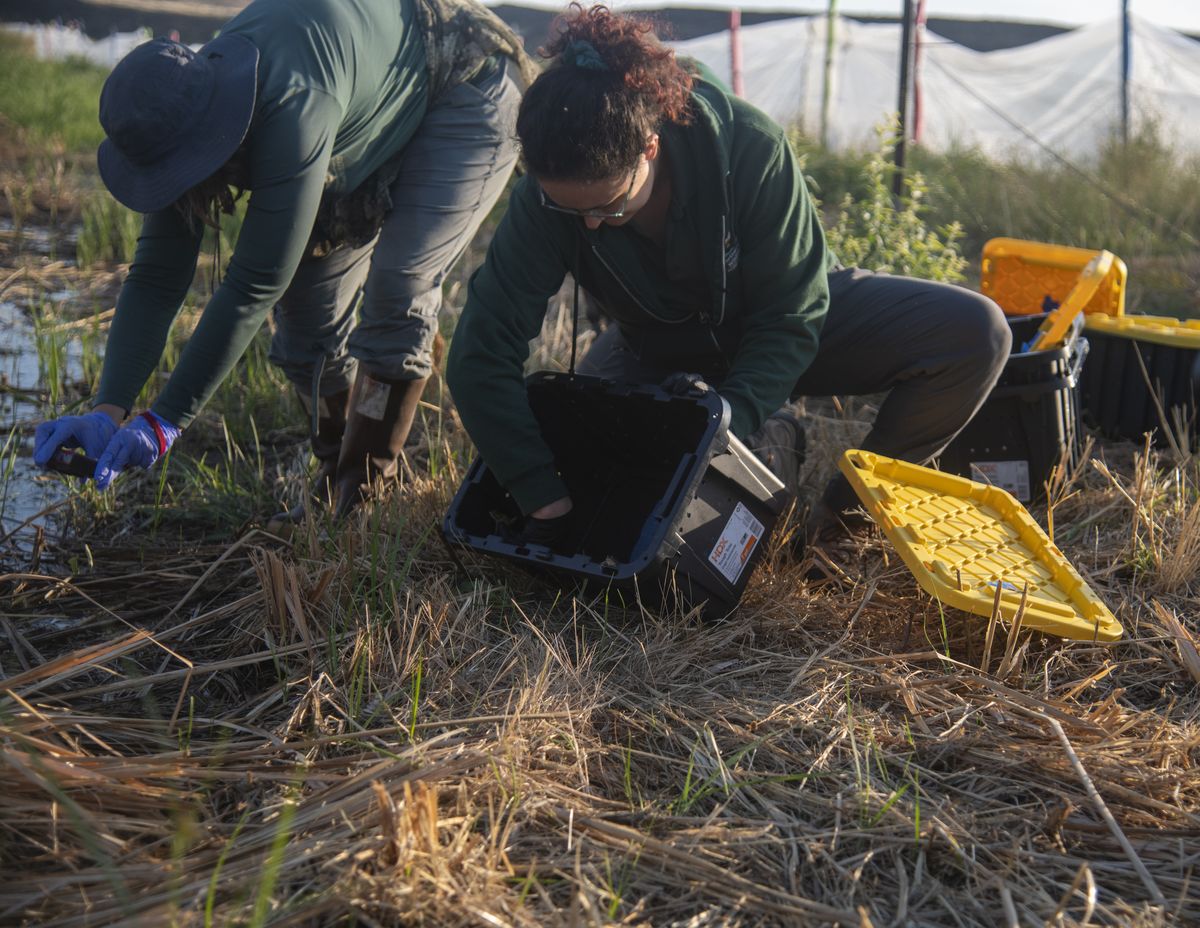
(173, 117)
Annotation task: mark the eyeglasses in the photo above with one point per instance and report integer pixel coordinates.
(593, 213)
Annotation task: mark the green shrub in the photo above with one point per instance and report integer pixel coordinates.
(872, 230)
(831, 175)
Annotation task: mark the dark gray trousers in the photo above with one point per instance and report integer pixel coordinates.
(454, 171)
(935, 349)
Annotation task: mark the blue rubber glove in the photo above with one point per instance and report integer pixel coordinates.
(139, 443)
(91, 432)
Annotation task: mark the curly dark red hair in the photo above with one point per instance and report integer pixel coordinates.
(590, 121)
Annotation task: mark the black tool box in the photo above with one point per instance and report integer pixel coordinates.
(668, 505)
(1029, 422)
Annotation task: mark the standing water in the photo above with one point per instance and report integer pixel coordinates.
(26, 489)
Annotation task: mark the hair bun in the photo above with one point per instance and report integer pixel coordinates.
(580, 53)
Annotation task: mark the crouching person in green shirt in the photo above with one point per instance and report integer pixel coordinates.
(682, 211)
(373, 137)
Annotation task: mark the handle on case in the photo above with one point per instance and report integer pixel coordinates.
(1056, 325)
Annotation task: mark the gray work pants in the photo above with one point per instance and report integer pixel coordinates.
(935, 349)
(454, 170)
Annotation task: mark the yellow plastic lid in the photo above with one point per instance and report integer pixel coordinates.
(961, 539)
(1019, 274)
(1161, 330)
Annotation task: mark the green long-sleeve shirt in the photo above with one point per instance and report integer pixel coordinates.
(342, 86)
(737, 293)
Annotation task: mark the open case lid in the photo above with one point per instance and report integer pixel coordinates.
(961, 538)
(1159, 330)
(1019, 275)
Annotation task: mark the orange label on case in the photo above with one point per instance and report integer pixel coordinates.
(738, 540)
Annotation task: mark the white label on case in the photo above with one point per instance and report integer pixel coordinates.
(1007, 475)
(737, 542)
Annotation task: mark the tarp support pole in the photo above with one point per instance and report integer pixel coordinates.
(899, 156)
(826, 86)
(1126, 61)
(917, 97)
(735, 52)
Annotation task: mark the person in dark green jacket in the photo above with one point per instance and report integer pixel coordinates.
(373, 137)
(681, 210)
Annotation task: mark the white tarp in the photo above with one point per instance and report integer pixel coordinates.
(56, 42)
(1062, 93)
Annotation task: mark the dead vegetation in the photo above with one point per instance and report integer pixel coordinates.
(204, 725)
(354, 730)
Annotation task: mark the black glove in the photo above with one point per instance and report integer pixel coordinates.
(682, 383)
(549, 533)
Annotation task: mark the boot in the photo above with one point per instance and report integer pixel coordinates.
(837, 516)
(377, 426)
(326, 445)
(780, 443)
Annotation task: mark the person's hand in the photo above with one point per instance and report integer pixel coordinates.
(92, 432)
(140, 443)
(682, 383)
(549, 533)
(547, 525)
(560, 507)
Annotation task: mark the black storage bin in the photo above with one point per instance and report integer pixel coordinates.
(667, 503)
(1119, 403)
(1028, 421)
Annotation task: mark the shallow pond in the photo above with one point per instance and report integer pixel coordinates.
(27, 490)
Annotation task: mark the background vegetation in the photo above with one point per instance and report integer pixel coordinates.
(53, 102)
(202, 724)
(1140, 200)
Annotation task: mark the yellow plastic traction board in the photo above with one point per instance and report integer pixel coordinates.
(1161, 330)
(961, 538)
(1019, 274)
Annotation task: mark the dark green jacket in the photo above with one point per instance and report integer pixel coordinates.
(738, 294)
(342, 86)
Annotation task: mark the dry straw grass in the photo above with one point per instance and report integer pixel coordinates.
(351, 729)
(356, 727)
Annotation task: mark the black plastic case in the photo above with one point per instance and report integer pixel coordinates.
(669, 506)
(1119, 403)
(1030, 420)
